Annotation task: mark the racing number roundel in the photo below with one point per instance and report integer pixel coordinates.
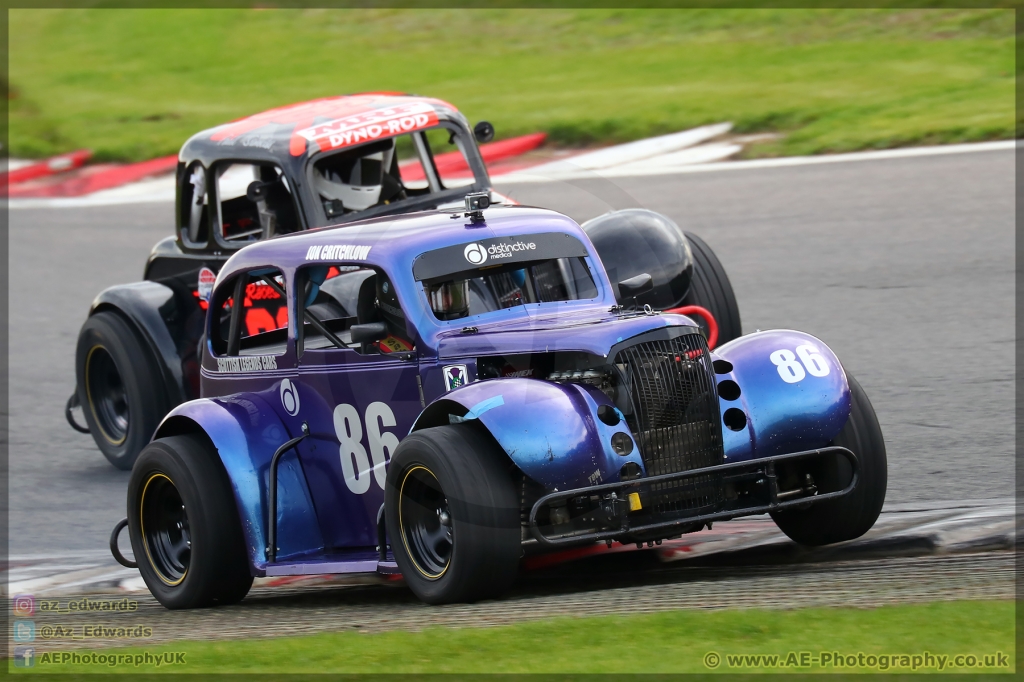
(475, 254)
(289, 397)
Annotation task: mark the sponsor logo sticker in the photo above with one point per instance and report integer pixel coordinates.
(475, 254)
(337, 252)
(371, 125)
(454, 376)
(248, 363)
(289, 397)
(206, 279)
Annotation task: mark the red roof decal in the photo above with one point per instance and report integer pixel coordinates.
(335, 122)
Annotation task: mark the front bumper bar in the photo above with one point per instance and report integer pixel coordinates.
(765, 468)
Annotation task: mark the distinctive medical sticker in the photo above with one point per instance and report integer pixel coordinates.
(247, 363)
(289, 397)
(371, 125)
(337, 252)
(454, 376)
(206, 279)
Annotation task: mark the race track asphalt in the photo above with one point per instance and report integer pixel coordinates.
(905, 267)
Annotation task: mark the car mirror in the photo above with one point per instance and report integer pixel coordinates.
(483, 131)
(634, 286)
(371, 331)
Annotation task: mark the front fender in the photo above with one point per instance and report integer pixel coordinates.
(793, 394)
(246, 432)
(148, 305)
(550, 431)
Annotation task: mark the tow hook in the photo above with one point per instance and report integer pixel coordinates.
(615, 509)
(115, 550)
(72, 404)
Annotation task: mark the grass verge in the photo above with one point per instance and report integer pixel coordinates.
(134, 84)
(671, 642)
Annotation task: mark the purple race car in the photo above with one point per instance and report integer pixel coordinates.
(451, 390)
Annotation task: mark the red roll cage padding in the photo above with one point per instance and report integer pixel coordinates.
(708, 318)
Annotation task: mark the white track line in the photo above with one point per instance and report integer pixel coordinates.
(639, 169)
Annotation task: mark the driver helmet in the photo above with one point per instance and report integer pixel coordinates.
(449, 300)
(354, 178)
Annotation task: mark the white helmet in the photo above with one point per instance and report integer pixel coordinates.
(353, 179)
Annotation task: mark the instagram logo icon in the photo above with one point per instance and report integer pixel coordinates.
(23, 605)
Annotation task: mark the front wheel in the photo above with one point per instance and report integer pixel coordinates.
(184, 525)
(452, 514)
(120, 388)
(848, 517)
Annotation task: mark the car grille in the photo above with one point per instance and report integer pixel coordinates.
(676, 420)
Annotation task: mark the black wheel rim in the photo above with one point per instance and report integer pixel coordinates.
(106, 393)
(165, 529)
(426, 522)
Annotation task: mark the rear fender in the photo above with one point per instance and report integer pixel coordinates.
(550, 431)
(793, 394)
(148, 306)
(245, 432)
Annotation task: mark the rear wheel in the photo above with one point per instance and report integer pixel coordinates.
(452, 514)
(710, 288)
(184, 525)
(853, 515)
(120, 387)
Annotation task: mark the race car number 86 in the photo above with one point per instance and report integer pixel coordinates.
(792, 370)
(355, 465)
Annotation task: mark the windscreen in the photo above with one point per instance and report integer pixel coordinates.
(414, 166)
(495, 274)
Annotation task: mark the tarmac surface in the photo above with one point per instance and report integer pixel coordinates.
(905, 267)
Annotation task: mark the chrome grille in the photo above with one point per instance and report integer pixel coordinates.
(676, 420)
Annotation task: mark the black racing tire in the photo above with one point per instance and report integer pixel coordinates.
(460, 471)
(851, 516)
(184, 525)
(710, 288)
(120, 387)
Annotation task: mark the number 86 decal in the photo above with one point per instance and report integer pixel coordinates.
(791, 370)
(355, 465)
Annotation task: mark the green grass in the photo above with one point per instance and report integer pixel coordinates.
(134, 84)
(671, 642)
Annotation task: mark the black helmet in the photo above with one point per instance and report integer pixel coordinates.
(636, 241)
(387, 302)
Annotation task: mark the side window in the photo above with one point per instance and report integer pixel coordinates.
(195, 207)
(335, 298)
(253, 202)
(252, 315)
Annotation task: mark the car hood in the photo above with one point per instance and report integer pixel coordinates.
(588, 332)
